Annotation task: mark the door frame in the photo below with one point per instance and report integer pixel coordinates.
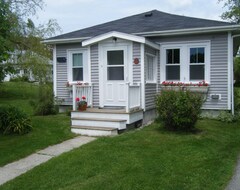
(119, 45)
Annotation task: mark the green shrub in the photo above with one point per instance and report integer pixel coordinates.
(237, 99)
(23, 78)
(14, 120)
(225, 116)
(178, 110)
(45, 105)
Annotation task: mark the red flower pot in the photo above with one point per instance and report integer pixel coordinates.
(82, 107)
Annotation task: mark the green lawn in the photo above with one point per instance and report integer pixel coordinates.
(47, 130)
(150, 158)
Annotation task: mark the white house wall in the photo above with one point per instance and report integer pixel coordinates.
(150, 88)
(94, 56)
(218, 65)
(137, 67)
(61, 72)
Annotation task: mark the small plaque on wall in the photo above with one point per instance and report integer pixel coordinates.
(61, 59)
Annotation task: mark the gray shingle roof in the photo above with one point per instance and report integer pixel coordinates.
(155, 21)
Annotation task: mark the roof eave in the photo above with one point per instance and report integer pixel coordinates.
(190, 31)
(66, 40)
(121, 35)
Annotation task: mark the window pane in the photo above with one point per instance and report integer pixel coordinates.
(77, 74)
(150, 69)
(173, 56)
(169, 56)
(197, 55)
(201, 55)
(115, 57)
(77, 60)
(173, 72)
(197, 72)
(193, 55)
(115, 73)
(176, 55)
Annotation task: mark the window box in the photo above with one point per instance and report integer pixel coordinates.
(197, 89)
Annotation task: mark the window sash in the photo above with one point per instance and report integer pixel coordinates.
(151, 71)
(115, 65)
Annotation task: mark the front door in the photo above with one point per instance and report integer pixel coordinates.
(115, 76)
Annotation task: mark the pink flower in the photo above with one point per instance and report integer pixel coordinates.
(84, 97)
(77, 99)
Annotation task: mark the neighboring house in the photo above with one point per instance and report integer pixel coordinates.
(20, 72)
(122, 64)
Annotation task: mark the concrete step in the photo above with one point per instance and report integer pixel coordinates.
(99, 122)
(115, 115)
(94, 130)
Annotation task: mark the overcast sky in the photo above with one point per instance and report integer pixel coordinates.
(77, 14)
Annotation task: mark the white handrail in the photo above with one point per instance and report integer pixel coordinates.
(133, 96)
(80, 90)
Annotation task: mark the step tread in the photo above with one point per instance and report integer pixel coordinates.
(99, 119)
(109, 111)
(94, 128)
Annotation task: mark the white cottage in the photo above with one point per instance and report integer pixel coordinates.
(120, 67)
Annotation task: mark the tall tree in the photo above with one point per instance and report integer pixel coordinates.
(18, 32)
(233, 10)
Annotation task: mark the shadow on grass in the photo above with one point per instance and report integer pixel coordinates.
(160, 128)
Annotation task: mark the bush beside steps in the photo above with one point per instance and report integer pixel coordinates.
(14, 121)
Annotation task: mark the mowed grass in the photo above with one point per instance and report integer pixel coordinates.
(150, 158)
(47, 130)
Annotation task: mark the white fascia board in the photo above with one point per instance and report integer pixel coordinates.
(67, 40)
(121, 35)
(113, 34)
(189, 31)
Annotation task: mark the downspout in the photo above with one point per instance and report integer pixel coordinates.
(232, 74)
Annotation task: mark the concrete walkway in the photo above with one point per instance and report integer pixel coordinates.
(235, 181)
(15, 169)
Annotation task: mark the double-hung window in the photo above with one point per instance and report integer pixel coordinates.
(173, 64)
(77, 65)
(189, 62)
(151, 72)
(197, 63)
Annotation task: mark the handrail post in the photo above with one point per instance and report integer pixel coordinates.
(74, 96)
(128, 97)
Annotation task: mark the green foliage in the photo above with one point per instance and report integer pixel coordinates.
(178, 109)
(19, 33)
(14, 120)
(5, 69)
(237, 71)
(23, 78)
(45, 104)
(237, 99)
(233, 12)
(226, 117)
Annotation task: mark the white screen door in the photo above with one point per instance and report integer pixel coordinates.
(115, 76)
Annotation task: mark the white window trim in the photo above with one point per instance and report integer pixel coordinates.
(154, 81)
(185, 60)
(86, 63)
